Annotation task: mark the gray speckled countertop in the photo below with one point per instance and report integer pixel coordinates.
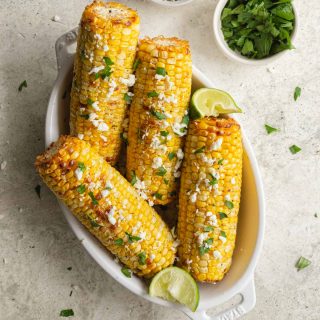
(36, 244)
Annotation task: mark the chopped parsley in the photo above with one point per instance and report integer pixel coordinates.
(142, 258)
(66, 313)
(133, 178)
(223, 234)
(185, 120)
(93, 199)
(302, 263)
(171, 155)
(294, 149)
(158, 195)
(270, 129)
(208, 228)
(297, 93)
(213, 180)
(81, 166)
(127, 98)
(136, 64)
(220, 162)
(85, 116)
(81, 189)
(172, 193)
(229, 204)
(23, 84)
(38, 190)
(108, 61)
(161, 71)
(126, 271)
(152, 94)
(205, 247)
(158, 114)
(164, 133)
(132, 238)
(90, 102)
(94, 223)
(118, 242)
(125, 140)
(161, 171)
(200, 150)
(222, 215)
(166, 181)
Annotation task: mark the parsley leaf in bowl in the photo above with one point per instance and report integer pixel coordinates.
(258, 28)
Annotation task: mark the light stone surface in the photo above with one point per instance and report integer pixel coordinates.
(36, 244)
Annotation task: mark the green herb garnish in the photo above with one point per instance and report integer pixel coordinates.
(256, 28)
(119, 242)
(90, 102)
(297, 93)
(127, 98)
(132, 238)
(302, 263)
(66, 313)
(270, 129)
(164, 133)
(108, 61)
(208, 228)
(157, 195)
(200, 150)
(161, 171)
(23, 84)
(166, 181)
(94, 223)
(158, 114)
(220, 162)
(223, 234)
(294, 149)
(142, 258)
(161, 71)
(81, 166)
(85, 116)
(133, 178)
(229, 204)
(152, 94)
(171, 155)
(213, 180)
(222, 215)
(93, 199)
(185, 120)
(205, 247)
(136, 64)
(81, 188)
(126, 271)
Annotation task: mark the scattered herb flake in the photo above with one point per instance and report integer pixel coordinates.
(85, 116)
(158, 114)
(66, 313)
(23, 84)
(213, 180)
(294, 149)
(208, 228)
(126, 271)
(108, 61)
(81, 166)
(81, 189)
(127, 98)
(297, 93)
(136, 64)
(220, 162)
(205, 247)
(38, 190)
(172, 193)
(152, 94)
(229, 204)
(93, 199)
(171, 155)
(132, 238)
(270, 129)
(164, 133)
(157, 195)
(185, 120)
(223, 234)
(133, 178)
(142, 258)
(161, 71)
(200, 150)
(161, 171)
(90, 101)
(118, 242)
(166, 181)
(302, 263)
(94, 223)
(222, 215)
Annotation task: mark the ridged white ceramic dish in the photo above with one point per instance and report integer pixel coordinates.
(239, 279)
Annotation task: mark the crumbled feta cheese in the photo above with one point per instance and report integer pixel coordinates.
(216, 145)
(109, 185)
(213, 220)
(130, 81)
(142, 235)
(105, 193)
(227, 197)
(125, 202)
(80, 136)
(105, 48)
(96, 69)
(95, 106)
(157, 163)
(177, 174)
(112, 87)
(171, 99)
(111, 217)
(202, 237)
(223, 239)
(151, 203)
(103, 126)
(188, 261)
(155, 142)
(180, 154)
(217, 254)
(97, 36)
(178, 127)
(56, 18)
(78, 173)
(93, 116)
(233, 180)
(176, 243)
(159, 77)
(105, 139)
(205, 159)
(193, 197)
(82, 110)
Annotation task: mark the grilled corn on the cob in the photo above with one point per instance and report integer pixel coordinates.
(209, 197)
(158, 117)
(106, 49)
(107, 205)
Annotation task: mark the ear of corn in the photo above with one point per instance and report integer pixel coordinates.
(158, 117)
(209, 197)
(107, 205)
(102, 74)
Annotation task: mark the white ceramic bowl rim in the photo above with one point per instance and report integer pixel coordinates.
(243, 286)
(174, 3)
(229, 53)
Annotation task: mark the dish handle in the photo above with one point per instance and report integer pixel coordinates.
(63, 47)
(246, 304)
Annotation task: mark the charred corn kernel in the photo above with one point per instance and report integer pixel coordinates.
(213, 167)
(158, 117)
(102, 74)
(107, 205)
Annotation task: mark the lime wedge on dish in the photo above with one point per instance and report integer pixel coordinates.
(207, 102)
(176, 285)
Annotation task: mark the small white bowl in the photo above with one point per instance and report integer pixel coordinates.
(173, 3)
(235, 56)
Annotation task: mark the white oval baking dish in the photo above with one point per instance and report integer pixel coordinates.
(239, 279)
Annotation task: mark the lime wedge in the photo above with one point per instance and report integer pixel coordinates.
(176, 285)
(207, 102)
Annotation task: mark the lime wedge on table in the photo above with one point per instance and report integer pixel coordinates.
(212, 102)
(176, 285)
